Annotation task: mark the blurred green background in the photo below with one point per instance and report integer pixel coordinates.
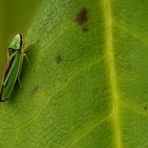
(15, 17)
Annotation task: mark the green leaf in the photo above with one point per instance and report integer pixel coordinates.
(87, 84)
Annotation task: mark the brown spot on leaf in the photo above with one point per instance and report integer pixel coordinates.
(85, 29)
(82, 18)
(145, 107)
(101, 125)
(58, 59)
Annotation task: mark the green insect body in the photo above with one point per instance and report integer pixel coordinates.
(15, 54)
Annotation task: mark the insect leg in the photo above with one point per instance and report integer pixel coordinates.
(25, 55)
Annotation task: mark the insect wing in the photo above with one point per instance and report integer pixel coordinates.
(11, 80)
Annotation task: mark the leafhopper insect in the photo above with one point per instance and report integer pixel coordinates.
(15, 55)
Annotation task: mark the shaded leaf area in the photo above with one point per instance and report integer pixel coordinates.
(86, 86)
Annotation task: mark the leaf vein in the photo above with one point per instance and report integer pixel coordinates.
(60, 89)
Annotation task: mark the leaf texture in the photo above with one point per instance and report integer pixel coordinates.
(87, 84)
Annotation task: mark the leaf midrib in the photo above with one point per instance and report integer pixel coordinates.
(112, 71)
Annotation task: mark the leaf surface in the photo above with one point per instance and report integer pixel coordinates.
(87, 84)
